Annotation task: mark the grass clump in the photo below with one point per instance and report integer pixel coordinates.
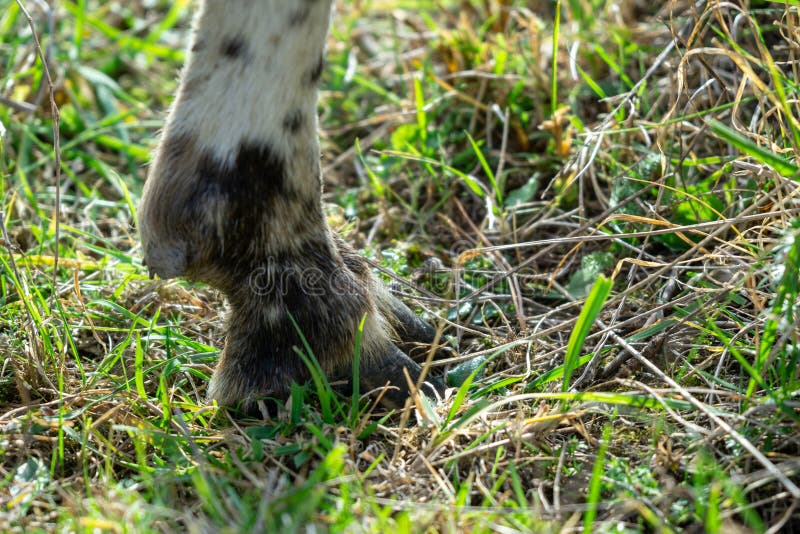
(505, 159)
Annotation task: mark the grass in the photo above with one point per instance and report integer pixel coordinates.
(502, 158)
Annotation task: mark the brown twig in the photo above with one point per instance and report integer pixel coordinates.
(56, 137)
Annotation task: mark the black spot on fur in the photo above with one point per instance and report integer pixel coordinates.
(233, 214)
(316, 71)
(257, 171)
(198, 45)
(249, 189)
(293, 121)
(233, 47)
(300, 15)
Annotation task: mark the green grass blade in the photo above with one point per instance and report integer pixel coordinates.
(781, 165)
(138, 364)
(356, 396)
(554, 65)
(486, 169)
(591, 309)
(595, 484)
(374, 181)
(419, 102)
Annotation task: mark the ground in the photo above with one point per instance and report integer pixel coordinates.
(596, 201)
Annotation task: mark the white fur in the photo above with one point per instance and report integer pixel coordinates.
(246, 100)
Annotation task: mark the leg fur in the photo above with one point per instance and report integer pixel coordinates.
(234, 199)
(414, 335)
